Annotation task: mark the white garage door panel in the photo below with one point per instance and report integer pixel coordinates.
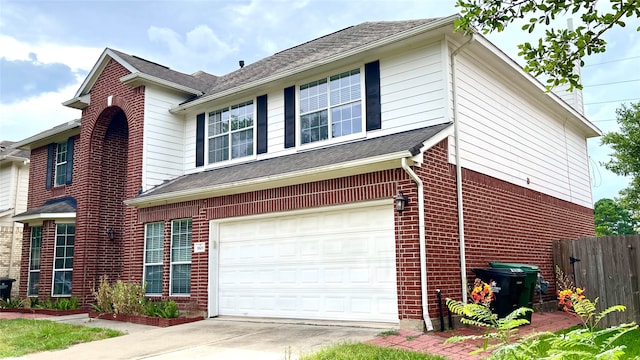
(334, 265)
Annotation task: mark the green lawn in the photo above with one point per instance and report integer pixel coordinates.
(367, 352)
(372, 352)
(23, 336)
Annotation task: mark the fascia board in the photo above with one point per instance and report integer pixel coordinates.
(95, 72)
(44, 216)
(26, 143)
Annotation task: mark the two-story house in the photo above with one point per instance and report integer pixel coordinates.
(14, 182)
(346, 178)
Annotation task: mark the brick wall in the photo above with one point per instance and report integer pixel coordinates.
(110, 170)
(503, 222)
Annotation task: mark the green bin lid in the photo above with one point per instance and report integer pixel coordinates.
(526, 268)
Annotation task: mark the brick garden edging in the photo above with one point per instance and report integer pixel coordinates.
(143, 319)
(52, 312)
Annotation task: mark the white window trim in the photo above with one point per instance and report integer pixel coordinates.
(65, 162)
(231, 161)
(53, 273)
(144, 259)
(171, 262)
(332, 140)
(29, 271)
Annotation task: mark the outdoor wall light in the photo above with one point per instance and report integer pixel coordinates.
(401, 201)
(111, 234)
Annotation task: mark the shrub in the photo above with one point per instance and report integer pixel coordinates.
(128, 298)
(10, 303)
(162, 309)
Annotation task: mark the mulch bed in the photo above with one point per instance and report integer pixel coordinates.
(144, 320)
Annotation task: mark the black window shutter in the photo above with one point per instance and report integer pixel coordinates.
(50, 154)
(262, 124)
(290, 117)
(70, 142)
(200, 139)
(372, 93)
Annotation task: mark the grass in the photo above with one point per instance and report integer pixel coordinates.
(23, 336)
(367, 352)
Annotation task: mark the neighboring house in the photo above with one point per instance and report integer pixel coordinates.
(271, 191)
(14, 183)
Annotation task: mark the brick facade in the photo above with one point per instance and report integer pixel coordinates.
(10, 252)
(503, 221)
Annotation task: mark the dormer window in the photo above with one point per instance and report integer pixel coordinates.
(230, 132)
(335, 100)
(61, 164)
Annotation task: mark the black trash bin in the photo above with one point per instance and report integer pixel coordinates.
(507, 285)
(531, 279)
(5, 287)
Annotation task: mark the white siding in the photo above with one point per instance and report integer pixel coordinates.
(507, 135)
(411, 89)
(164, 138)
(7, 184)
(275, 121)
(23, 188)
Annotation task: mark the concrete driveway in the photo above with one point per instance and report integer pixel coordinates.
(219, 339)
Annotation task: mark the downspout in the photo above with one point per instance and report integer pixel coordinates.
(423, 244)
(454, 95)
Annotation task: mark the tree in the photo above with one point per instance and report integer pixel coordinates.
(626, 154)
(557, 54)
(612, 219)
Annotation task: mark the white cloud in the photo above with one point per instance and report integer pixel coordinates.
(31, 116)
(194, 50)
(76, 57)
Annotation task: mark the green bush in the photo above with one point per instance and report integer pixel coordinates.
(162, 309)
(128, 298)
(10, 303)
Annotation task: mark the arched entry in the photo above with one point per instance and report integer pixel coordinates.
(109, 154)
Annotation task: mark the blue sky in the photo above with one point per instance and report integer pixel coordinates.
(48, 47)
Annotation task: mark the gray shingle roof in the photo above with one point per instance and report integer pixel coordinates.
(7, 150)
(320, 48)
(53, 206)
(199, 82)
(406, 141)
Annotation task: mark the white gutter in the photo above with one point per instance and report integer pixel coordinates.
(265, 80)
(47, 133)
(423, 244)
(456, 135)
(44, 216)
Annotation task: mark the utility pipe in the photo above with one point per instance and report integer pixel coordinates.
(456, 134)
(423, 244)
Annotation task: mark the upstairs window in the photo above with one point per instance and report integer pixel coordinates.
(335, 100)
(230, 133)
(61, 164)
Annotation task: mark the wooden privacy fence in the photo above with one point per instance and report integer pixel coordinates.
(607, 267)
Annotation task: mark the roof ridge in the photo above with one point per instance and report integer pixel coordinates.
(315, 39)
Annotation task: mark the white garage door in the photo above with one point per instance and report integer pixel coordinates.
(332, 264)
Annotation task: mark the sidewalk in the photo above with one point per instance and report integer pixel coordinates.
(433, 342)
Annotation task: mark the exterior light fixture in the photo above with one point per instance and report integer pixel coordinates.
(111, 234)
(401, 201)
